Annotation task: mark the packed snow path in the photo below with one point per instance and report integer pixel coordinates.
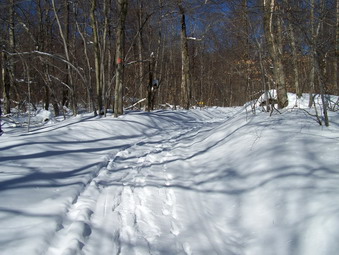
(213, 181)
(130, 207)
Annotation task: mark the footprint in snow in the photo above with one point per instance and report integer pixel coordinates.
(187, 248)
(175, 230)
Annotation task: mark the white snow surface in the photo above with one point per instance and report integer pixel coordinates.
(204, 181)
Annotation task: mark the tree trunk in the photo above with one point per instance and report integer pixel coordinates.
(294, 53)
(88, 83)
(6, 83)
(41, 45)
(140, 49)
(151, 91)
(65, 91)
(295, 61)
(8, 73)
(185, 65)
(336, 60)
(55, 105)
(47, 98)
(313, 41)
(322, 93)
(247, 45)
(317, 59)
(65, 40)
(105, 57)
(272, 40)
(96, 57)
(119, 57)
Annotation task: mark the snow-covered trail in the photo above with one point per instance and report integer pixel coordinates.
(211, 181)
(130, 206)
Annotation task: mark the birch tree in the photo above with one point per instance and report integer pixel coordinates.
(272, 36)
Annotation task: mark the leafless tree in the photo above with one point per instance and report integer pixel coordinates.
(119, 57)
(272, 30)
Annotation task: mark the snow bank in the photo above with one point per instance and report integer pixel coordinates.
(302, 102)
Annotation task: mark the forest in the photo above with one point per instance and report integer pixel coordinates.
(169, 127)
(112, 55)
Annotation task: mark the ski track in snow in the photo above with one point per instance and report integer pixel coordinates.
(118, 211)
(213, 181)
(207, 182)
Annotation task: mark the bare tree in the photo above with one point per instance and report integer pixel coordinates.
(8, 63)
(317, 59)
(185, 61)
(293, 41)
(336, 61)
(140, 48)
(65, 40)
(119, 57)
(314, 35)
(97, 57)
(217, 56)
(5, 82)
(271, 27)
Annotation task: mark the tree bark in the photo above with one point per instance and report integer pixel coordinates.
(336, 60)
(322, 91)
(97, 60)
(65, 91)
(105, 57)
(272, 38)
(313, 41)
(8, 73)
(87, 81)
(41, 45)
(185, 64)
(247, 46)
(119, 57)
(140, 49)
(5, 82)
(316, 61)
(65, 40)
(294, 52)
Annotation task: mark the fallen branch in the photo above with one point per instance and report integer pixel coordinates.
(131, 106)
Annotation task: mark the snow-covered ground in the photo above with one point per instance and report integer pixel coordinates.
(205, 181)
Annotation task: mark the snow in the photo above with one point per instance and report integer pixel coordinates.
(302, 102)
(205, 181)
